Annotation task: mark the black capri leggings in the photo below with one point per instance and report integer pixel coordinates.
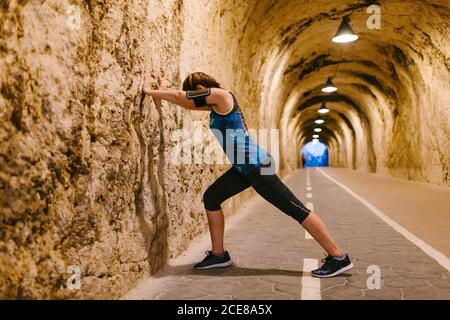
(269, 186)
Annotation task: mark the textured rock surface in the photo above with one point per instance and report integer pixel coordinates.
(86, 177)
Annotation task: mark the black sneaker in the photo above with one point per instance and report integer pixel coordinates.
(332, 267)
(213, 261)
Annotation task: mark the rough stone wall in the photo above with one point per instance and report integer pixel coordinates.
(78, 150)
(86, 171)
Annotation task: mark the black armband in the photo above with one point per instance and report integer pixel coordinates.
(199, 96)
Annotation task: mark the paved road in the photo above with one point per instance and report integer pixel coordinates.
(419, 207)
(272, 255)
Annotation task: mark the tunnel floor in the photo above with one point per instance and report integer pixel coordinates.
(272, 255)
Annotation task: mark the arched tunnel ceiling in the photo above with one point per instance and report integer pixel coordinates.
(330, 127)
(381, 77)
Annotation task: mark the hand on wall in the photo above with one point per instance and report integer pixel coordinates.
(147, 84)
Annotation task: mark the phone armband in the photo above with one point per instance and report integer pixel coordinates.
(199, 96)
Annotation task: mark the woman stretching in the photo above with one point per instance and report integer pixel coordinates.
(250, 167)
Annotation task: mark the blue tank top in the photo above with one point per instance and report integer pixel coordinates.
(242, 151)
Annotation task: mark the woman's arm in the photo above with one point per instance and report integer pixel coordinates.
(171, 95)
(218, 97)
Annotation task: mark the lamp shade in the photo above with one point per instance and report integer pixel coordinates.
(329, 86)
(345, 33)
(323, 108)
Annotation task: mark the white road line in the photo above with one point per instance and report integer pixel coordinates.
(425, 247)
(308, 236)
(310, 206)
(310, 285)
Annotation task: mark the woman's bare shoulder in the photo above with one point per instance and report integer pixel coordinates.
(225, 103)
(221, 90)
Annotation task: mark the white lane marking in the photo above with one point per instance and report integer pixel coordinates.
(425, 247)
(310, 285)
(310, 206)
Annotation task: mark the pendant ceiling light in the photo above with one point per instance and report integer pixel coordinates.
(329, 86)
(319, 121)
(345, 33)
(317, 129)
(315, 141)
(315, 136)
(323, 108)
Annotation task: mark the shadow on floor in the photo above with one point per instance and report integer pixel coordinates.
(233, 271)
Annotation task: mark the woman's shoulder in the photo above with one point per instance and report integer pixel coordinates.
(233, 102)
(223, 90)
(226, 93)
